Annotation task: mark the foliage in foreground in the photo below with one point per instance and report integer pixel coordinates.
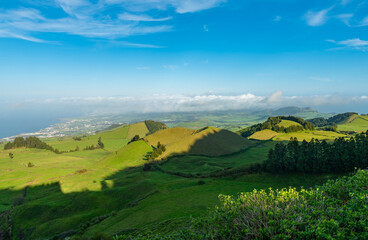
(337, 210)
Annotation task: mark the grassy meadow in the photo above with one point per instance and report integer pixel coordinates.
(356, 124)
(109, 191)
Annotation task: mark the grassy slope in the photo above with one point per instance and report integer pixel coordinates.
(112, 139)
(137, 129)
(168, 136)
(111, 185)
(266, 134)
(210, 142)
(288, 123)
(203, 164)
(308, 135)
(49, 167)
(355, 123)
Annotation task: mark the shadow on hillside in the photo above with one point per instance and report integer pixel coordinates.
(44, 211)
(208, 142)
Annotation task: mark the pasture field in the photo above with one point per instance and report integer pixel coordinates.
(308, 135)
(355, 123)
(112, 139)
(288, 123)
(209, 141)
(136, 200)
(263, 135)
(256, 153)
(137, 129)
(109, 191)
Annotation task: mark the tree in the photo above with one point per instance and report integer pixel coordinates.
(135, 138)
(100, 143)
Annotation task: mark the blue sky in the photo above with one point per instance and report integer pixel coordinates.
(243, 53)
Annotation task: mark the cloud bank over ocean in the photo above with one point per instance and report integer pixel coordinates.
(188, 103)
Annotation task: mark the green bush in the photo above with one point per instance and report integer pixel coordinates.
(337, 210)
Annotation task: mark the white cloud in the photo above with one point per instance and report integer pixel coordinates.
(345, 2)
(205, 102)
(275, 97)
(91, 20)
(356, 44)
(364, 22)
(317, 18)
(141, 18)
(180, 6)
(345, 18)
(205, 28)
(277, 19)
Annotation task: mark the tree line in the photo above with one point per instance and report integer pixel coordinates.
(29, 142)
(34, 142)
(272, 124)
(332, 121)
(343, 155)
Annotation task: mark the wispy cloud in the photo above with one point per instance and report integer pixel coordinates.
(141, 18)
(180, 6)
(345, 2)
(317, 18)
(277, 19)
(5, 34)
(364, 22)
(91, 20)
(356, 44)
(345, 18)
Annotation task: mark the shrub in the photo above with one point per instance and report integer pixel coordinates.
(336, 210)
(201, 182)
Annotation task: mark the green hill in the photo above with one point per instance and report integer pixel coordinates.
(350, 121)
(154, 126)
(280, 124)
(288, 123)
(101, 193)
(263, 135)
(209, 141)
(137, 129)
(354, 123)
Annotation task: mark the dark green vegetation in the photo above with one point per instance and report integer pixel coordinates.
(157, 151)
(153, 126)
(273, 123)
(332, 121)
(343, 155)
(336, 210)
(30, 142)
(349, 122)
